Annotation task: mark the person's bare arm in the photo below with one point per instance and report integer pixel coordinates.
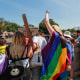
(6, 53)
(76, 40)
(30, 52)
(34, 46)
(49, 27)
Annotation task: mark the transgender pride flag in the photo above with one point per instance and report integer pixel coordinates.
(54, 58)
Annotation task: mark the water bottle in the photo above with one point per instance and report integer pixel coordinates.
(38, 57)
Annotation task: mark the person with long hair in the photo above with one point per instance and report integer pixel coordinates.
(18, 49)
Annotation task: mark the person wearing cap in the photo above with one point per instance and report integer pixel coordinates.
(55, 31)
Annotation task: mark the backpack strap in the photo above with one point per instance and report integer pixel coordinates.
(27, 51)
(9, 55)
(24, 51)
(8, 52)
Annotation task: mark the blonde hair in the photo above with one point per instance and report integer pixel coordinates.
(18, 38)
(18, 44)
(57, 29)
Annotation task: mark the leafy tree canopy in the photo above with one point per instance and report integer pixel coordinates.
(8, 26)
(42, 26)
(71, 30)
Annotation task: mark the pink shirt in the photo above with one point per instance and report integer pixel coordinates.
(27, 40)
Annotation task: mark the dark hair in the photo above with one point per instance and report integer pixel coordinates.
(2, 41)
(73, 40)
(78, 31)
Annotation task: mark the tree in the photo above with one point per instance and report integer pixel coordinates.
(63, 30)
(12, 27)
(1, 21)
(8, 26)
(71, 30)
(0, 28)
(42, 26)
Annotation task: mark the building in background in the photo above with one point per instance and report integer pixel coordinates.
(32, 28)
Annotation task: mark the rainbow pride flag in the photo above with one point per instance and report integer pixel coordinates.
(64, 75)
(54, 58)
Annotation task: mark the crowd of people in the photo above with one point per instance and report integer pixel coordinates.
(42, 60)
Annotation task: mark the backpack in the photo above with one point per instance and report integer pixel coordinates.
(16, 69)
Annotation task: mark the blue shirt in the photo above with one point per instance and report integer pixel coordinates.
(78, 39)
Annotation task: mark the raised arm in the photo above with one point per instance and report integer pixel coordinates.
(49, 27)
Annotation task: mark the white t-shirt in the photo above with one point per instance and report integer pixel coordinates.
(41, 41)
(25, 61)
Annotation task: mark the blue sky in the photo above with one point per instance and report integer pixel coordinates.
(65, 12)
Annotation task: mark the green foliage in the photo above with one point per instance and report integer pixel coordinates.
(42, 26)
(71, 30)
(0, 28)
(53, 23)
(63, 30)
(12, 27)
(8, 26)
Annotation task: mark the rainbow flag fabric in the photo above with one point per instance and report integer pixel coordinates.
(54, 59)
